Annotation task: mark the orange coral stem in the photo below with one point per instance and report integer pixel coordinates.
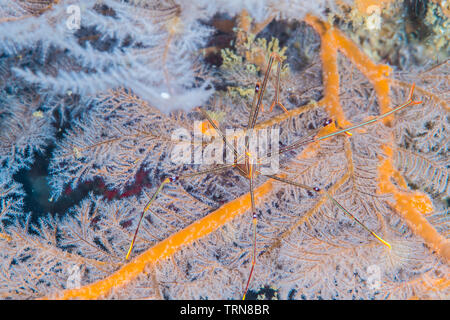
(328, 55)
(412, 206)
(366, 7)
(409, 205)
(376, 73)
(332, 40)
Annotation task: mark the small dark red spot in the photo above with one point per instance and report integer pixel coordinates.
(110, 194)
(257, 88)
(174, 178)
(94, 221)
(126, 224)
(316, 189)
(68, 190)
(327, 122)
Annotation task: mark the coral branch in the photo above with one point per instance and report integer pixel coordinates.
(167, 247)
(332, 40)
(328, 55)
(410, 205)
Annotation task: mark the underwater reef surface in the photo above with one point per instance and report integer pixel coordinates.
(93, 93)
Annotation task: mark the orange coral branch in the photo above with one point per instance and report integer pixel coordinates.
(332, 40)
(5, 236)
(376, 73)
(409, 205)
(412, 206)
(328, 55)
(167, 247)
(364, 6)
(433, 285)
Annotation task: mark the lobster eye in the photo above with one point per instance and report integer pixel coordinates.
(327, 122)
(316, 189)
(257, 88)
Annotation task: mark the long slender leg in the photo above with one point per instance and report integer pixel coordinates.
(305, 140)
(220, 132)
(316, 189)
(409, 102)
(254, 222)
(311, 138)
(276, 101)
(166, 181)
(256, 106)
(357, 221)
(254, 102)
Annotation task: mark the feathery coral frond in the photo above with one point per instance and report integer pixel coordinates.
(196, 240)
